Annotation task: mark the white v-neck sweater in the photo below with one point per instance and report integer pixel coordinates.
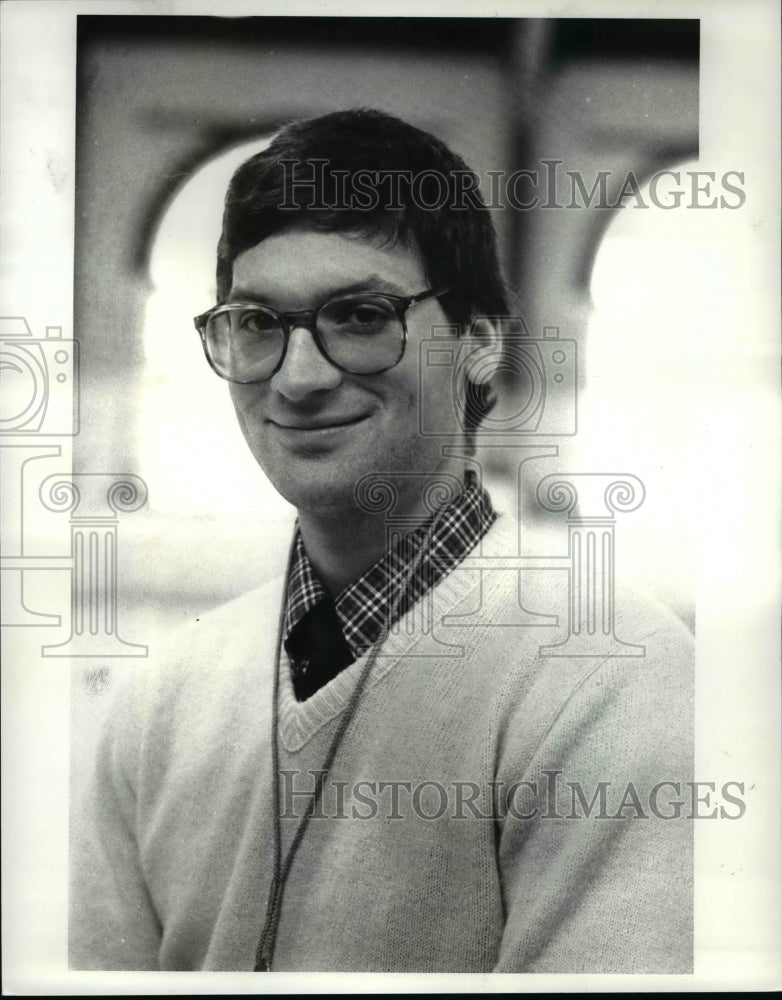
(172, 836)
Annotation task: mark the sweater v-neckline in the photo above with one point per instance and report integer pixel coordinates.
(299, 721)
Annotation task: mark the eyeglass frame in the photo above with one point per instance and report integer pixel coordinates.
(307, 319)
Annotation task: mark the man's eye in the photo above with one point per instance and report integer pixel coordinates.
(257, 323)
(367, 314)
(360, 317)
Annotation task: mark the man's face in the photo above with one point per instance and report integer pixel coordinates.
(313, 429)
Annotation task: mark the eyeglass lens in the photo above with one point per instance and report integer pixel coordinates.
(361, 335)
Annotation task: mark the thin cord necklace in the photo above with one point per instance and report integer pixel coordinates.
(264, 954)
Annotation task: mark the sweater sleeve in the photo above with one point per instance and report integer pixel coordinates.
(112, 923)
(595, 855)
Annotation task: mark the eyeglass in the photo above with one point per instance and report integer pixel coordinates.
(361, 334)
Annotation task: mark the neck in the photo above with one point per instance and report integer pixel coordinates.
(342, 545)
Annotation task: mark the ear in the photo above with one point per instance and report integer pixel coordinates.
(482, 349)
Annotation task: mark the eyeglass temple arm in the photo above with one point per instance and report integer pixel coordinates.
(432, 294)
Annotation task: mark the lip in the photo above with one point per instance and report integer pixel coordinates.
(321, 425)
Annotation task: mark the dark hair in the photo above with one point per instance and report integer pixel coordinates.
(454, 236)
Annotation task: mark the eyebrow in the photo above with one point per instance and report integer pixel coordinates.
(371, 283)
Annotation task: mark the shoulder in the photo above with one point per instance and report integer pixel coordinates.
(204, 668)
(611, 667)
(543, 588)
(223, 643)
(222, 627)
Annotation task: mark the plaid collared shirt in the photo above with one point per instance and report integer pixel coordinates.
(379, 597)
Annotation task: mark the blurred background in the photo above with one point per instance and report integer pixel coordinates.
(167, 107)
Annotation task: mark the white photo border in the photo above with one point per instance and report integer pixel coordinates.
(738, 871)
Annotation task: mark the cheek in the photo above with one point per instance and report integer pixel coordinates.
(425, 410)
(439, 401)
(248, 409)
(246, 399)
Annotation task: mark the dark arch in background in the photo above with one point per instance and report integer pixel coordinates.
(506, 39)
(134, 153)
(492, 37)
(667, 159)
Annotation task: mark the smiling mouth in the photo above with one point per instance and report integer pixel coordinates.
(320, 425)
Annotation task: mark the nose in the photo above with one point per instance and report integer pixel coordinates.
(304, 369)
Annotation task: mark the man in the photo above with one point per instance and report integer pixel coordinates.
(361, 766)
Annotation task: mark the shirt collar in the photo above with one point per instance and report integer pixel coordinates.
(380, 596)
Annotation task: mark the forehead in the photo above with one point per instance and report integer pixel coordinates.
(298, 266)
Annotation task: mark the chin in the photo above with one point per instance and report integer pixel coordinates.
(318, 497)
(317, 483)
